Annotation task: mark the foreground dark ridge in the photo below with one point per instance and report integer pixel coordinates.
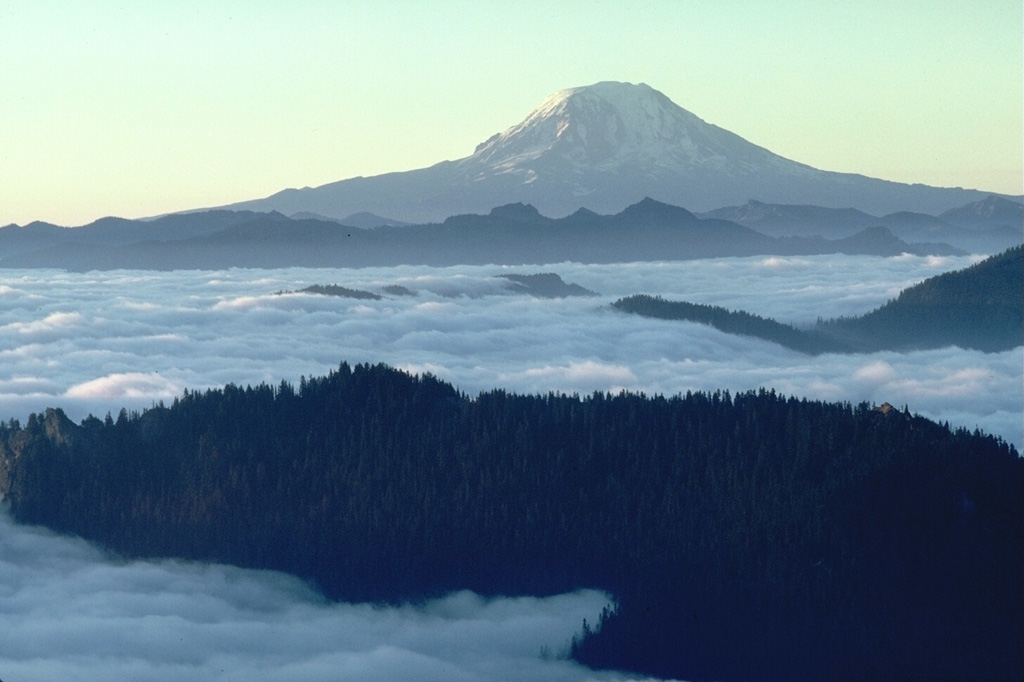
(979, 307)
(751, 537)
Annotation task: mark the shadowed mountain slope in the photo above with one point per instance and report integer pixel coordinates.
(980, 307)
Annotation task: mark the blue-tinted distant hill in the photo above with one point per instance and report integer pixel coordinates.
(987, 226)
(513, 234)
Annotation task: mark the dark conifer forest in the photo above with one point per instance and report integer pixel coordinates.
(335, 290)
(980, 307)
(733, 322)
(743, 537)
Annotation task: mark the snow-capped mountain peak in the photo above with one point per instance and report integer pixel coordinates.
(610, 123)
(604, 147)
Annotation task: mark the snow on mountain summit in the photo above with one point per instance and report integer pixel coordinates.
(605, 125)
(604, 147)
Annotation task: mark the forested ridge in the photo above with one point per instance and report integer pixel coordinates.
(733, 322)
(744, 537)
(980, 307)
(335, 290)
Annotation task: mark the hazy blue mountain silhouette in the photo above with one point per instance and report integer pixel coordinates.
(989, 225)
(511, 234)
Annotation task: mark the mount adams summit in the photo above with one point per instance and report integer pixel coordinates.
(604, 147)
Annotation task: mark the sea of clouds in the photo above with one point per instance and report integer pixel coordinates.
(68, 612)
(97, 342)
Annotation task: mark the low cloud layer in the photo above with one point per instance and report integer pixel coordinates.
(96, 342)
(68, 612)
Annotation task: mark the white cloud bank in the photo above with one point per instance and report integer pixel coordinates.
(129, 385)
(97, 342)
(68, 612)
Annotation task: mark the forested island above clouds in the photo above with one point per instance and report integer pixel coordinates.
(744, 537)
(539, 285)
(979, 307)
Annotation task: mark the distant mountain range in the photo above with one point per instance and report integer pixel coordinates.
(512, 234)
(604, 147)
(610, 163)
(992, 224)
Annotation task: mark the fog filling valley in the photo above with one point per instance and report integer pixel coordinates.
(70, 613)
(97, 342)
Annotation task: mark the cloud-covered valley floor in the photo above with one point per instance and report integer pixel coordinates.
(96, 342)
(68, 612)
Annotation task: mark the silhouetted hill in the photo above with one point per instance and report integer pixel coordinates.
(732, 322)
(781, 220)
(36, 236)
(980, 307)
(987, 226)
(875, 240)
(335, 290)
(748, 537)
(361, 220)
(547, 285)
(991, 212)
(369, 221)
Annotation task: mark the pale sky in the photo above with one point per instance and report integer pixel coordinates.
(140, 108)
